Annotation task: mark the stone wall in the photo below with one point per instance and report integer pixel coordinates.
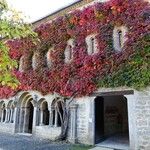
(142, 111)
(84, 122)
(47, 132)
(84, 125)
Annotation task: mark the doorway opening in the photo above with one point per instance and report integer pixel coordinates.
(111, 122)
(30, 118)
(45, 113)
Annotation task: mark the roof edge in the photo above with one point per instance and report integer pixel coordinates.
(61, 12)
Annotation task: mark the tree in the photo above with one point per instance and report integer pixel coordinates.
(62, 107)
(12, 26)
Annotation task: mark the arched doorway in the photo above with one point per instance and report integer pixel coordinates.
(43, 115)
(25, 114)
(111, 121)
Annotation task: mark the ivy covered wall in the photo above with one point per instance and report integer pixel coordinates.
(86, 73)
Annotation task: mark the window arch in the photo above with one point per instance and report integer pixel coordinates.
(25, 62)
(119, 37)
(39, 60)
(69, 51)
(48, 57)
(91, 44)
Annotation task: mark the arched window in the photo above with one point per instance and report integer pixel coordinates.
(69, 51)
(91, 44)
(48, 57)
(39, 60)
(25, 62)
(34, 61)
(119, 37)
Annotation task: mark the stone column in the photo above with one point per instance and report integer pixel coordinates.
(51, 117)
(56, 119)
(6, 116)
(38, 116)
(21, 119)
(2, 117)
(15, 115)
(41, 117)
(16, 119)
(73, 117)
(34, 119)
(26, 119)
(9, 115)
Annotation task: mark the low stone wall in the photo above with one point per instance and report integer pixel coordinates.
(47, 132)
(7, 128)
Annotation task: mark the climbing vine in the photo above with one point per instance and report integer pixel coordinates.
(86, 73)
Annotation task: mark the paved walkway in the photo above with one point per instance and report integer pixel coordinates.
(22, 142)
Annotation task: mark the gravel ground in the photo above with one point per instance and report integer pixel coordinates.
(22, 142)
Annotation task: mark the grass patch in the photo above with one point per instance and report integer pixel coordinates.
(80, 147)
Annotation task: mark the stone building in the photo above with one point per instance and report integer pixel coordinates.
(109, 117)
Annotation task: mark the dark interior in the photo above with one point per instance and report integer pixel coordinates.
(30, 117)
(99, 119)
(111, 118)
(46, 114)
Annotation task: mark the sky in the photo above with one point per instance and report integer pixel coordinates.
(36, 9)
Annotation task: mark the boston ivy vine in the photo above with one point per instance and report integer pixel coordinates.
(86, 73)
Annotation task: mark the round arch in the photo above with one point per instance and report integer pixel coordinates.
(23, 97)
(25, 114)
(44, 112)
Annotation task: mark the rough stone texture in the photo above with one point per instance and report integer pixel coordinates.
(84, 120)
(47, 132)
(142, 111)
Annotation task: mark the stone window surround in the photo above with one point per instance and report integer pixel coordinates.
(91, 44)
(118, 41)
(69, 51)
(48, 57)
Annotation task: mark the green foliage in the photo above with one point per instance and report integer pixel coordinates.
(135, 72)
(11, 27)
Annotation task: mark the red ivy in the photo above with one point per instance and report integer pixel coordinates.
(82, 74)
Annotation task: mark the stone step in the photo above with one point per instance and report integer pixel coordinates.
(101, 148)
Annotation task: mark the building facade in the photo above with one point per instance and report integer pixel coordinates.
(121, 114)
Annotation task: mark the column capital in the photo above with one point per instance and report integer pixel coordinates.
(51, 108)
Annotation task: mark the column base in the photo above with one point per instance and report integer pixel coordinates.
(41, 124)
